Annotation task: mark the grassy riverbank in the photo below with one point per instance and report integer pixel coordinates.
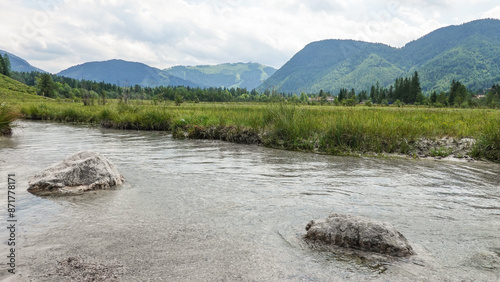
(324, 129)
(12, 94)
(7, 116)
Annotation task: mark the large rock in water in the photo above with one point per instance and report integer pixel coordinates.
(78, 173)
(359, 233)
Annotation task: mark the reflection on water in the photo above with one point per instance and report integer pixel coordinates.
(208, 210)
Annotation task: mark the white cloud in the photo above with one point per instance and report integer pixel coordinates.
(492, 13)
(56, 34)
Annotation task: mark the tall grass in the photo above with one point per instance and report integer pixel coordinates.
(375, 130)
(326, 129)
(488, 143)
(7, 116)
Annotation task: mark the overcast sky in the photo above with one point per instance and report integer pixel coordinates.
(56, 34)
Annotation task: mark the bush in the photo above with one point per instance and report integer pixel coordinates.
(178, 100)
(351, 102)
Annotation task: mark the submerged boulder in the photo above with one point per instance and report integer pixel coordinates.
(359, 233)
(76, 174)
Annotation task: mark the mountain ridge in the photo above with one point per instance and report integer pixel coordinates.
(229, 75)
(126, 73)
(123, 73)
(460, 52)
(19, 64)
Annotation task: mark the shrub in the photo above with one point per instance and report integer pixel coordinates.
(178, 100)
(351, 102)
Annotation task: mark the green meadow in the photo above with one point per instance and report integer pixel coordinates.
(325, 129)
(337, 130)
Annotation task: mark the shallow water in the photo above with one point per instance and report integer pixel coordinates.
(209, 210)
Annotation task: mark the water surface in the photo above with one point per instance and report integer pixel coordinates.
(207, 210)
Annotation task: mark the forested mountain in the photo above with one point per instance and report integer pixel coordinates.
(19, 64)
(469, 53)
(124, 73)
(242, 75)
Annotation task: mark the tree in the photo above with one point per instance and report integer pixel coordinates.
(342, 94)
(5, 65)
(352, 94)
(441, 99)
(458, 93)
(493, 96)
(303, 97)
(390, 95)
(363, 95)
(382, 95)
(434, 97)
(1, 65)
(102, 101)
(45, 86)
(373, 94)
(415, 90)
(87, 97)
(294, 99)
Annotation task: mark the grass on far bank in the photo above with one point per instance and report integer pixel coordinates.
(325, 129)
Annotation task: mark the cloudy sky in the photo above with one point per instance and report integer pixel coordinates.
(56, 34)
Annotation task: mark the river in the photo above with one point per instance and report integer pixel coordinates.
(194, 210)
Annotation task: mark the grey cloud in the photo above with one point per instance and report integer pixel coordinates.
(219, 31)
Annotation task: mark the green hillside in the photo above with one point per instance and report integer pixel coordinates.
(12, 90)
(469, 53)
(243, 75)
(362, 75)
(475, 63)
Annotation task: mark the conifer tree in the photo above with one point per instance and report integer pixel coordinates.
(45, 86)
(342, 94)
(415, 89)
(5, 69)
(1, 66)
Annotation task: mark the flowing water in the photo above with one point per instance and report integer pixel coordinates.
(206, 210)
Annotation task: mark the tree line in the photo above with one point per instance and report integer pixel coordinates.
(405, 90)
(54, 86)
